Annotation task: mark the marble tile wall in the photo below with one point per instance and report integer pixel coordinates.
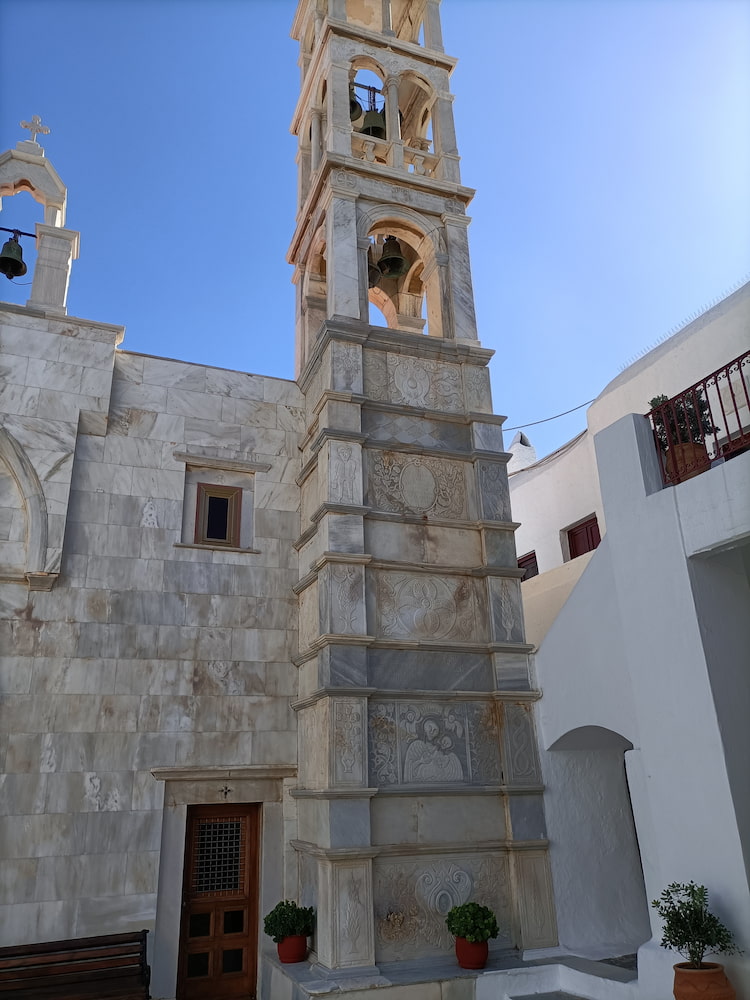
(147, 652)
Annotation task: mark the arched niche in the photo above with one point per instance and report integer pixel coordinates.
(602, 907)
(16, 468)
(592, 738)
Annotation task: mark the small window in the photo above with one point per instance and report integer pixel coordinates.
(528, 563)
(584, 537)
(217, 515)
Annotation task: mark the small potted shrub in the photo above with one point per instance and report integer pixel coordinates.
(681, 425)
(692, 930)
(472, 926)
(290, 925)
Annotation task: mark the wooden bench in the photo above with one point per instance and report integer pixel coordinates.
(79, 969)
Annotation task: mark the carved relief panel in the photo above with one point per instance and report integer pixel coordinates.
(412, 899)
(346, 599)
(352, 943)
(309, 616)
(408, 484)
(506, 614)
(348, 741)
(477, 387)
(345, 472)
(430, 608)
(346, 364)
(427, 743)
(493, 491)
(521, 757)
(398, 378)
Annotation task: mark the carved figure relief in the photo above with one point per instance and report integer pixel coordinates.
(429, 743)
(417, 606)
(401, 484)
(413, 897)
(344, 471)
(493, 488)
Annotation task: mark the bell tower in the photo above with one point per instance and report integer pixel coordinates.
(419, 784)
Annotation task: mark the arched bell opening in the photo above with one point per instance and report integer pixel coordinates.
(313, 296)
(18, 254)
(395, 269)
(415, 101)
(367, 111)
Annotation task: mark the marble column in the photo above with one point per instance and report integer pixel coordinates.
(56, 250)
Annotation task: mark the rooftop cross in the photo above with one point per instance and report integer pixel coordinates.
(35, 127)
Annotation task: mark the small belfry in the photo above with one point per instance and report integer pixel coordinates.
(26, 168)
(419, 784)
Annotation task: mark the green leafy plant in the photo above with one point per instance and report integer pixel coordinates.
(689, 926)
(473, 922)
(287, 919)
(687, 418)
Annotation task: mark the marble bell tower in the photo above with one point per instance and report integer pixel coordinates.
(419, 782)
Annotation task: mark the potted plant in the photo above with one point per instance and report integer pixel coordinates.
(472, 926)
(681, 425)
(290, 925)
(692, 930)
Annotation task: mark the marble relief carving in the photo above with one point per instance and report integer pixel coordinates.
(401, 484)
(394, 378)
(493, 488)
(347, 739)
(345, 468)
(346, 368)
(347, 609)
(477, 382)
(427, 743)
(431, 608)
(522, 761)
(412, 899)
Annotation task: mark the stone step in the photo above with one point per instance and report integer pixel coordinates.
(556, 995)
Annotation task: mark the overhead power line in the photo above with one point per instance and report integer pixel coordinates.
(533, 423)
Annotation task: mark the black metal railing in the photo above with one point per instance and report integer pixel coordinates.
(708, 421)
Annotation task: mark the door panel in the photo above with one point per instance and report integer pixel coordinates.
(219, 932)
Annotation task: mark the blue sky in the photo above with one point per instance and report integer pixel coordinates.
(608, 142)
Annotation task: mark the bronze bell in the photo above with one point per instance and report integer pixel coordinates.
(11, 259)
(374, 124)
(392, 262)
(355, 108)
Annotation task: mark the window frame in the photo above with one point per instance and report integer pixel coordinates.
(204, 493)
(523, 564)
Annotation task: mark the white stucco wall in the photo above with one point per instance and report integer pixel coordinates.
(627, 652)
(552, 495)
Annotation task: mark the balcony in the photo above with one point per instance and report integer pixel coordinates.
(703, 424)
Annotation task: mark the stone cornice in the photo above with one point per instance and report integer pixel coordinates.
(258, 772)
(229, 462)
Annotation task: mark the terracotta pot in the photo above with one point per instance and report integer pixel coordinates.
(683, 461)
(292, 949)
(471, 955)
(706, 983)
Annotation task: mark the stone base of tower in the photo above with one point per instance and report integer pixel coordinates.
(507, 974)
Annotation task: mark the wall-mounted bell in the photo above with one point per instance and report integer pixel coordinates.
(11, 259)
(355, 108)
(392, 262)
(374, 124)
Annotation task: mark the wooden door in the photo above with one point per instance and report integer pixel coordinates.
(219, 927)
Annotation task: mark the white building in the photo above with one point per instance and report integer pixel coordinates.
(642, 650)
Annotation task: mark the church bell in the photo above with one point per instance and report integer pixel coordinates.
(374, 124)
(11, 259)
(355, 108)
(392, 262)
